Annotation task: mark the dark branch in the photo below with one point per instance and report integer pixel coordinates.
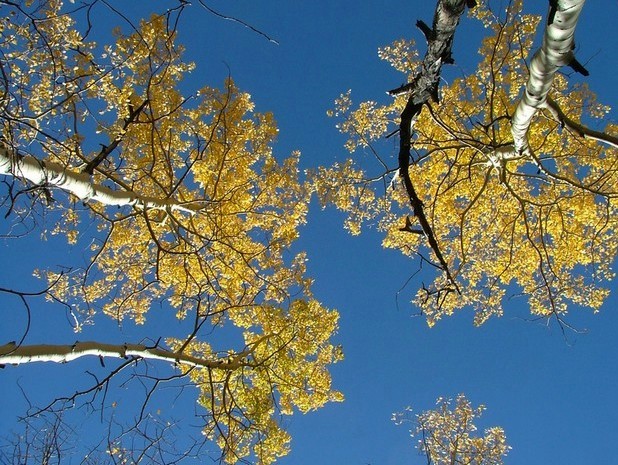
(578, 67)
(106, 150)
(426, 30)
(423, 89)
(239, 21)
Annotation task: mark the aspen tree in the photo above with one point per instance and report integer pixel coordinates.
(500, 182)
(194, 214)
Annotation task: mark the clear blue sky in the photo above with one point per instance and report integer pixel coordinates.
(555, 395)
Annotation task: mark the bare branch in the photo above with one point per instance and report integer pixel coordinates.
(422, 90)
(239, 21)
(577, 128)
(12, 355)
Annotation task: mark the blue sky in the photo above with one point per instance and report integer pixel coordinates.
(554, 393)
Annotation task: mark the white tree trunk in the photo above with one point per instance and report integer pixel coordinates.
(11, 354)
(556, 51)
(50, 174)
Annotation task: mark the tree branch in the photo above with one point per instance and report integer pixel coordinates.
(51, 174)
(422, 90)
(107, 149)
(579, 129)
(239, 21)
(11, 354)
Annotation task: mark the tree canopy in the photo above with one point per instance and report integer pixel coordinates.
(448, 435)
(505, 213)
(191, 209)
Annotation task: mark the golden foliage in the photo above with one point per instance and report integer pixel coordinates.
(542, 226)
(448, 434)
(283, 368)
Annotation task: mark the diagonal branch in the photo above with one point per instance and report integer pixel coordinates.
(107, 149)
(576, 127)
(51, 174)
(239, 21)
(422, 90)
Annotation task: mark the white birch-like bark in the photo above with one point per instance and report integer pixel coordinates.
(11, 354)
(556, 51)
(49, 174)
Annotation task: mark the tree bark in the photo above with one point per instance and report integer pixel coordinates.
(423, 89)
(12, 354)
(555, 52)
(30, 169)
